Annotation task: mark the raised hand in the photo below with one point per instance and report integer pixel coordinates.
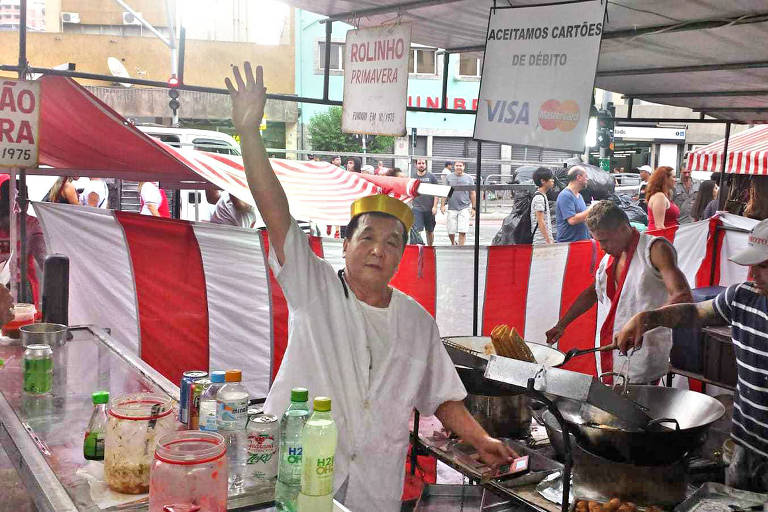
(248, 98)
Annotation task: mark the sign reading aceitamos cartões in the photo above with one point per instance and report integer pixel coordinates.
(19, 114)
(539, 73)
(376, 80)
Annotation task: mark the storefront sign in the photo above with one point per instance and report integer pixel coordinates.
(648, 133)
(376, 80)
(19, 112)
(538, 74)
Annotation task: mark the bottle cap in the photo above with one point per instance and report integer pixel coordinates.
(299, 395)
(233, 376)
(322, 404)
(100, 397)
(218, 376)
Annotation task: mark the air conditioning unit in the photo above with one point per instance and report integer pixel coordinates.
(70, 17)
(130, 19)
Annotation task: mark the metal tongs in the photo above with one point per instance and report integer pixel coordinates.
(623, 374)
(575, 352)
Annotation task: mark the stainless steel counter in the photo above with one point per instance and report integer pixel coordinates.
(43, 436)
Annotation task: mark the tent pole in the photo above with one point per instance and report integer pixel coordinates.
(446, 60)
(22, 185)
(327, 70)
(721, 197)
(476, 293)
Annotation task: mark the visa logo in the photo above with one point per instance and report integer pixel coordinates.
(507, 112)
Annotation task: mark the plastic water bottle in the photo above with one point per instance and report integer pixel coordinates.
(289, 471)
(208, 415)
(232, 416)
(318, 440)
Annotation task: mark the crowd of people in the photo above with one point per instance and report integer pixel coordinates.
(667, 201)
(458, 209)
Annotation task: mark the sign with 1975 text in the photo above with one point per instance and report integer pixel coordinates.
(19, 115)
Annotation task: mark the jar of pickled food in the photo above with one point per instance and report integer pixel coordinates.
(134, 424)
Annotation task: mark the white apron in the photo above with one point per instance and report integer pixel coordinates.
(643, 289)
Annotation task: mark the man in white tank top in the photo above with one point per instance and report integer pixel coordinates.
(638, 272)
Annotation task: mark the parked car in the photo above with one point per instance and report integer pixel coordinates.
(193, 203)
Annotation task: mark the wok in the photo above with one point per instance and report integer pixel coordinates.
(471, 367)
(681, 419)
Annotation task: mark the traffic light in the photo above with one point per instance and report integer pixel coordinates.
(605, 129)
(173, 92)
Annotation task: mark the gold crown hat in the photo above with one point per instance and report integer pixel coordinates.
(383, 203)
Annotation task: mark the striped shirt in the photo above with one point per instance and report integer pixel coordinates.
(746, 310)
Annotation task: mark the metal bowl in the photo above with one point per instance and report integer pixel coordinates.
(472, 376)
(603, 434)
(544, 354)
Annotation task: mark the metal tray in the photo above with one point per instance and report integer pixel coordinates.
(714, 497)
(467, 498)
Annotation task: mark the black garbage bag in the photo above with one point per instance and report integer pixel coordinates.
(516, 227)
(632, 208)
(600, 184)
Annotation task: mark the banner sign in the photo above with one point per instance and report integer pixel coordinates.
(538, 75)
(376, 80)
(19, 113)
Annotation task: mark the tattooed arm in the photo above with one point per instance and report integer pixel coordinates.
(677, 315)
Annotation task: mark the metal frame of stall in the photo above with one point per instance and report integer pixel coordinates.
(22, 68)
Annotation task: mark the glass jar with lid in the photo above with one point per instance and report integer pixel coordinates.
(135, 423)
(189, 472)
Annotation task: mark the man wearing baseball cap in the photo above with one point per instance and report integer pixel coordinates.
(375, 351)
(645, 172)
(744, 307)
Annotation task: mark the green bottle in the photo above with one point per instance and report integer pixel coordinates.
(93, 444)
(289, 471)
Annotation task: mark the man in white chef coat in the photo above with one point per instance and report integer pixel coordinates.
(375, 351)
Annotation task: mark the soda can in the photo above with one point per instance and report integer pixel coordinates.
(263, 441)
(38, 369)
(194, 405)
(185, 392)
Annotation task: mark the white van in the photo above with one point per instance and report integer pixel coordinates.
(193, 203)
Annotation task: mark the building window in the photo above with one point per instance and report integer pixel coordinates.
(423, 61)
(337, 56)
(470, 66)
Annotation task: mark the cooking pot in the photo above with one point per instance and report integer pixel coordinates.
(554, 432)
(501, 416)
(680, 421)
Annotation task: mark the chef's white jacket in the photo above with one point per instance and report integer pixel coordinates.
(327, 353)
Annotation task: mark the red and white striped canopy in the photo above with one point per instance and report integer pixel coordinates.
(747, 153)
(81, 135)
(317, 191)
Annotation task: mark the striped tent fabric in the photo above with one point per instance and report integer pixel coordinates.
(187, 295)
(747, 154)
(317, 191)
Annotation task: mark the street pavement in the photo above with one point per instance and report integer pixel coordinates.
(490, 223)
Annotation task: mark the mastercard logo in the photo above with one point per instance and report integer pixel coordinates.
(557, 115)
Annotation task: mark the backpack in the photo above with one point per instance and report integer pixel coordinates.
(516, 228)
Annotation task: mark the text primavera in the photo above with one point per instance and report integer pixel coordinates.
(374, 76)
